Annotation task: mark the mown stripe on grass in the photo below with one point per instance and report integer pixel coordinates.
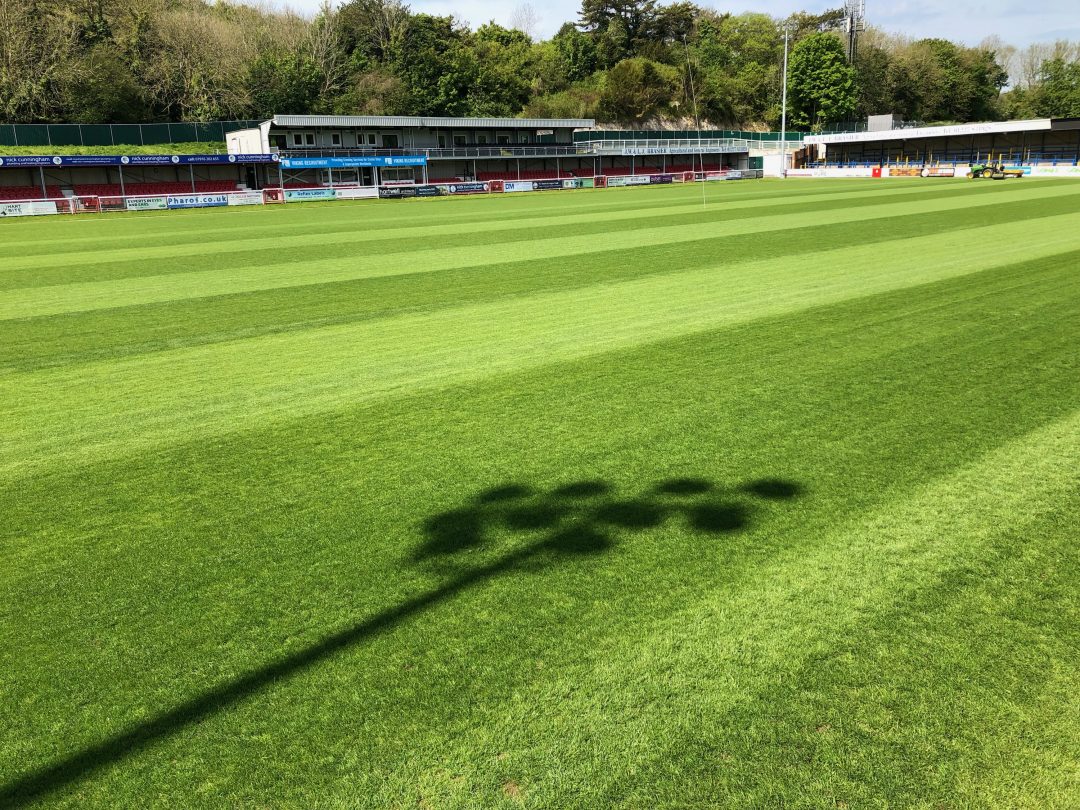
(284, 219)
(105, 407)
(63, 339)
(331, 221)
(383, 244)
(28, 302)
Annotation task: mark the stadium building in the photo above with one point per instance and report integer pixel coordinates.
(1046, 145)
(325, 150)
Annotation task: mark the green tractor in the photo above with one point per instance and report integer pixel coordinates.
(993, 171)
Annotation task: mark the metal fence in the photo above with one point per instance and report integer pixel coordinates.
(118, 134)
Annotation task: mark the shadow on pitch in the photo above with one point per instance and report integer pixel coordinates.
(548, 527)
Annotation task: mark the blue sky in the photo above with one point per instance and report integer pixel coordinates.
(966, 21)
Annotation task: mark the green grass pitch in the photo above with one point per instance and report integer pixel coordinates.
(567, 500)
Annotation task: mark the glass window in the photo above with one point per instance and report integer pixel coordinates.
(442, 141)
(481, 139)
(309, 139)
(389, 140)
(371, 139)
(503, 139)
(459, 140)
(335, 139)
(297, 139)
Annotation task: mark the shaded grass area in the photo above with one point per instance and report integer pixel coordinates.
(645, 578)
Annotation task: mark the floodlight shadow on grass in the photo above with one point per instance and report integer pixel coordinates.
(575, 521)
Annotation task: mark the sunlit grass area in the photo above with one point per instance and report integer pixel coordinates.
(563, 500)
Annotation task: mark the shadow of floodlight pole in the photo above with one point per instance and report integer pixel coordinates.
(447, 533)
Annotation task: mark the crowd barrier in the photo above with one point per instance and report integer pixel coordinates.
(92, 204)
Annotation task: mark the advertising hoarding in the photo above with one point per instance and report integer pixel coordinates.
(362, 161)
(362, 193)
(147, 203)
(27, 209)
(302, 194)
(246, 198)
(466, 188)
(197, 200)
(75, 161)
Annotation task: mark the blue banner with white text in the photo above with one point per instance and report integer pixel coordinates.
(352, 162)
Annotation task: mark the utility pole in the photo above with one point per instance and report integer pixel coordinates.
(783, 107)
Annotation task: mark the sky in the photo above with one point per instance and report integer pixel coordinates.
(967, 21)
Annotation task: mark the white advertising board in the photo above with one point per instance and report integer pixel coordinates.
(832, 172)
(356, 193)
(27, 209)
(518, 185)
(246, 198)
(147, 203)
(1055, 171)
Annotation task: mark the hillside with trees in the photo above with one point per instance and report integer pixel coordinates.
(625, 62)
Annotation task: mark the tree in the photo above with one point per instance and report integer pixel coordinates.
(504, 63)
(577, 51)
(435, 64)
(821, 85)
(1057, 94)
(636, 90)
(872, 69)
(370, 27)
(526, 20)
(36, 51)
(288, 83)
(101, 87)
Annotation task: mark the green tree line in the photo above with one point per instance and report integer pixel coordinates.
(627, 62)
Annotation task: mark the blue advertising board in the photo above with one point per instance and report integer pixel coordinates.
(197, 200)
(352, 162)
(76, 161)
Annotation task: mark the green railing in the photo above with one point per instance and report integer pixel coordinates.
(116, 134)
(693, 134)
(675, 135)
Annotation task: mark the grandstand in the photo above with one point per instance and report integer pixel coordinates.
(48, 177)
(324, 150)
(333, 155)
(1047, 142)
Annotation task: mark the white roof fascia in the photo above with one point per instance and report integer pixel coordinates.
(988, 128)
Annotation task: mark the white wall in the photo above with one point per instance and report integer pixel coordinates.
(246, 142)
(773, 165)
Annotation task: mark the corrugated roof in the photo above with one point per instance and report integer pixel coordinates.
(348, 121)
